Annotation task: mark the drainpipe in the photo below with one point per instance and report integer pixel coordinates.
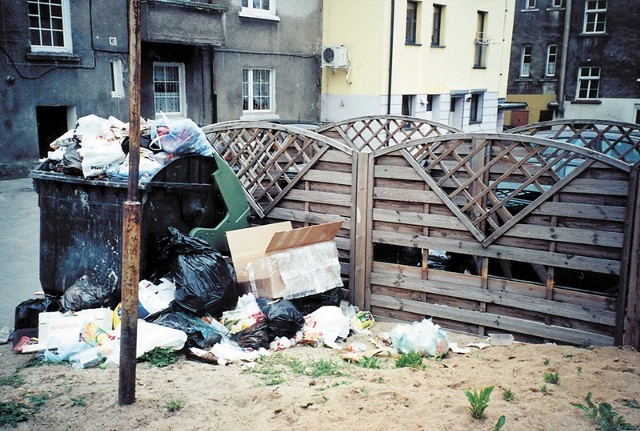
(393, 9)
(563, 61)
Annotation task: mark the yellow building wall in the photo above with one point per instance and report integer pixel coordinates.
(363, 25)
(535, 104)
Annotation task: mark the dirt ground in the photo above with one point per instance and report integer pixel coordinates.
(306, 388)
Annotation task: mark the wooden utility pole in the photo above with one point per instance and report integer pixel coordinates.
(132, 216)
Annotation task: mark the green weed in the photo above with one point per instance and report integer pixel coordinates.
(603, 414)
(79, 401)
(160, 357)
(410, 360)
(15, 380)
(12, 412)
(507, 395)
(631, 404)
(323, 368)
(500, 423)
(579, 368)
(369, 362)
(553, 378)
(37, 400)
(174, 405)
(478, 401)
(543, 389)
(546, 361)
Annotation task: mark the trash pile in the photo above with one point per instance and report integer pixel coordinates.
(99, 147)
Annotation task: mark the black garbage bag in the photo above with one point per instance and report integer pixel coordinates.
(311, 303)
(255, 336)
(199, 333)
(85, 293)
(203, 281)
(26, 315)
(283, 319)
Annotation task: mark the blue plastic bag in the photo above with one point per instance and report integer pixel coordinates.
(180, 136)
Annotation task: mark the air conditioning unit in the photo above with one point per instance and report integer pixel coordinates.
(335, 56)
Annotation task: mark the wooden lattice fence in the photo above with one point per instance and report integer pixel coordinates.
(481, 232)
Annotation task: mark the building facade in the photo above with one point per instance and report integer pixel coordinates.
(207, 60)
(443, 61)
(575, 59)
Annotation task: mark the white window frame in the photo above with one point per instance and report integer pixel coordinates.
(251, 112)
(65, 16)
(595, 9)
(529, 4)
(181, 90)
(552, 60)
(117, 78)
(557, 3)
(590, 80)
(475, 108)
(250, 10)
(525, 66)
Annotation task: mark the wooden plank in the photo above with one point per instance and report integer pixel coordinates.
(501, 252)
(307, 217)
(583, 211)
(538, 305)
(406, 195)
(336, 156)
(399, 173)
(319, 197)
(331, 177)
(597, 187)
(560, 234)
(493, 321)
(417, 219)
(628, 328)
(362, 223)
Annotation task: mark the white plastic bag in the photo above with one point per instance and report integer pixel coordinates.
(328, 324)
(423, 337)
(98, 154)
(180, 136)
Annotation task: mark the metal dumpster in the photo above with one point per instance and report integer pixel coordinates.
(81, 219)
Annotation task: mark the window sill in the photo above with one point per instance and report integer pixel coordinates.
(524, 79)
(549, 79)
(555, 9)
(530, 10)
(53, 56)
(587, 102)
(438, 46)
(248, 13)
(474, 122)
(412, 44)
(479, 67)
(256, 116)
(594, 34)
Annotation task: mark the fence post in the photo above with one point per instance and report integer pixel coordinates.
(628, 310)
(360, 261)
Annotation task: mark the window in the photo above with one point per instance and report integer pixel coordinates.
(595, 16)
(475, 109)
(552, 57)
(407, 104)
(588, 83)
(529, 4)
(257, 90)
(168, 85)
(430, 101)
(412, 21)
(525, 62)
(49, 25)
(117, 85)
(436, 31)
(481, 41)
(557, 3)
(265, 9)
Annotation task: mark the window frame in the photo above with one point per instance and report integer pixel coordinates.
(481, 41)
(65, 17)
(529, 4)
(252, 112)
(551, 64)
(589, 80)
(117, 79)
(436, 27)
(248, 10)
(181, 89)
(597, 12)
(557, 3)
(411, 36)
(525, 60)
(475, 108)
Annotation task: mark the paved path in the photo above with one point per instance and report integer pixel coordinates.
(19, 246)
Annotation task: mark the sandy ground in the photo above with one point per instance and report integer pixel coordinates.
(272, 395)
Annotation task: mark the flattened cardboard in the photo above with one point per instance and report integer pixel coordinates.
(303, 236)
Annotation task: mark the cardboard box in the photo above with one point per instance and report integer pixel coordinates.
(55, 328)
(256, 253)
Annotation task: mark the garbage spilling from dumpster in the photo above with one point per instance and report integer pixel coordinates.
(278, 287)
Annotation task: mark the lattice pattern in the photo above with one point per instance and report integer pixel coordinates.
(487, 182)
(372, 133)
(268, 159)
(618, 140)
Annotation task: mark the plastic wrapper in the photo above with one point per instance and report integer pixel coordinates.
(84, 294)
(203, 281)
(308, 270)
(423, 337)
(325, 326)
(199, 333)
(180, 136)
(283, 319)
